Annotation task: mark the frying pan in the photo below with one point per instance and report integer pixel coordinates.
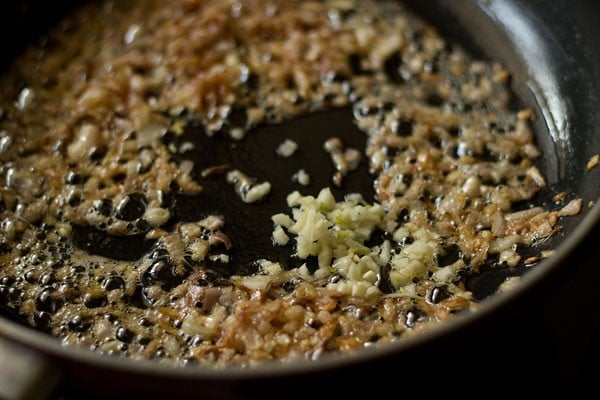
(553, 51)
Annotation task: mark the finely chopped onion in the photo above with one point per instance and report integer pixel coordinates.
(82, 153)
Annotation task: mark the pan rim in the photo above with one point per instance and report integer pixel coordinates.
(52, 347)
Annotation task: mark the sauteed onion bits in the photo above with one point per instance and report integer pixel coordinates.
(94, 250)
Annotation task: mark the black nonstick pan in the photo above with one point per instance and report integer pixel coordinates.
(552, 49)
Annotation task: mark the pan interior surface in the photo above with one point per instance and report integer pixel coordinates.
(552, 60)
(551, 73)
